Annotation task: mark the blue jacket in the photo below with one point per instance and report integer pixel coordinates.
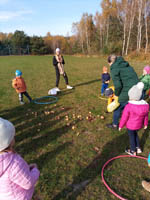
(105, 77)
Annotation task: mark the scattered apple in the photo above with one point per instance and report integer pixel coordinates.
(102, 117)
(68, 124)
(96, 149)
(74, 116)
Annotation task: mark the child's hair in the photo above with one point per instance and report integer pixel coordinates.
(108, 92)
(111, 58)
(147, 69)
(8, 149)
(105, 69)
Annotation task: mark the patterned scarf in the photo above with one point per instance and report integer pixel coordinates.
(60, 65)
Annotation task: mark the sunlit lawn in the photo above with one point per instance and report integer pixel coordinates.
(70, 151)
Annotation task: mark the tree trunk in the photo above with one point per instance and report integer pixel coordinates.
(87, 40)
(139, 26)
(124, 36)
(131, 25)
(107, 35)
(146, 28)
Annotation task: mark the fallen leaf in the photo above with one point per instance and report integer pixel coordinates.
(78, 134)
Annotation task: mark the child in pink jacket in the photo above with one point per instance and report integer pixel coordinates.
(135, 117)
(17, 178)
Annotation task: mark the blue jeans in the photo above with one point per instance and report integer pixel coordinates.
(117, 113)
(134, 139)
(104, 87)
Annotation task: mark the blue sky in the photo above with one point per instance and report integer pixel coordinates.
(37, 17)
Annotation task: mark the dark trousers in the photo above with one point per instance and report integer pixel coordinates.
(58, 77)
(134, 140)
(117, 113)
(26, 94)
(143, 94)
(104, 87)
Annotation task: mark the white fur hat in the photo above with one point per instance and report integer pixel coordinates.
(57, 50)
(7, 133)
(135, 93)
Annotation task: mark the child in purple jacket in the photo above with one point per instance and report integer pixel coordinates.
(17, 178)
(135, 117)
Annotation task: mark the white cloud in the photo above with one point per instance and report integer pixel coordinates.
(8, 15)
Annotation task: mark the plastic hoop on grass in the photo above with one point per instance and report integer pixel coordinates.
(103, 98)
(102, 173)
(55, 99)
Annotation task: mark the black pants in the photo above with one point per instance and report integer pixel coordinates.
(134, 140)
(58, 77)
(26, 94)
(117, 113)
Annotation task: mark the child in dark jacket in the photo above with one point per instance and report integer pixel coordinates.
(105, 80)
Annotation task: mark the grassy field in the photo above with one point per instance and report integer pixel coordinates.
(71, 143)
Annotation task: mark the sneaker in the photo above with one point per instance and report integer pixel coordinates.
(146, 185)
(57, 89)
(102, 94)
(131, 153)
(69, 87)
(138, 150)
(112, 126)
(22, 103)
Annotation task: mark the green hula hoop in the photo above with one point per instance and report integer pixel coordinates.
(36, 101)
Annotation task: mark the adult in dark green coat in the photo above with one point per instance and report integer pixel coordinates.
(123, 77)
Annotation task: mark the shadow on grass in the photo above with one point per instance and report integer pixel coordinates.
(111, 149)
(28, 119)
(34, 128)
(45, 158)
(144, 138)
(87, 83)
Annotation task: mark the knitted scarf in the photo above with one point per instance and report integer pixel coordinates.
(60, 65)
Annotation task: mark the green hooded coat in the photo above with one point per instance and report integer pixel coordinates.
(124, 77)
(146, 80)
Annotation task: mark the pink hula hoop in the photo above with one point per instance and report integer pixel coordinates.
(102, 173)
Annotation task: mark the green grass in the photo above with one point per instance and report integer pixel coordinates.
(70, 161)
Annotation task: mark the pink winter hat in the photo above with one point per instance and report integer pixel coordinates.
(147, 69)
